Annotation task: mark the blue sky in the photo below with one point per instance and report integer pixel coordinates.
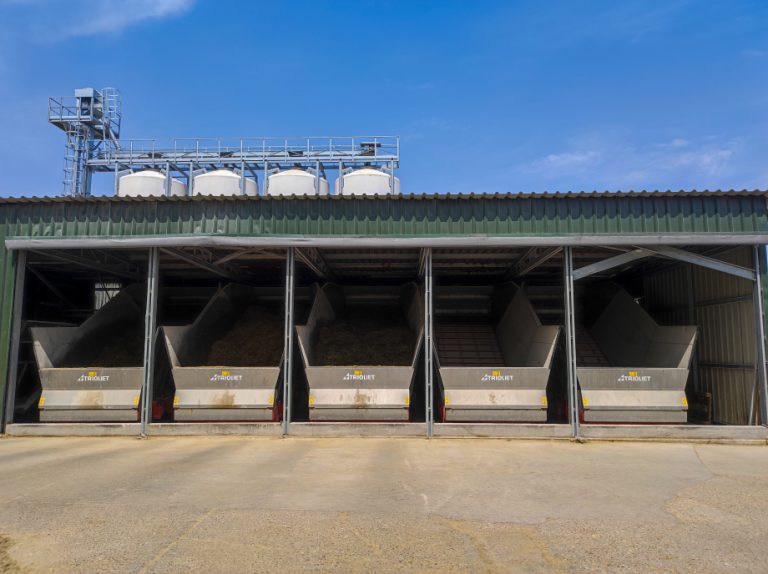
(487, 96)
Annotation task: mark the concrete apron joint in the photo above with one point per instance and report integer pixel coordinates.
(690, 435)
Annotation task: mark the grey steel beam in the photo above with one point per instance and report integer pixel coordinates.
(429, 399)
(16, 318)
(250, 159)
(312, 258)
(368, 255)
(610, 263)
(382, 265)
(248, 251)
(150, 334)
(570, 342)
(371, 242)
(201, 263)
(89, 264)
(532, 259)
(288, 339)
(703, 261)
(662, 263)
(502, 258)
(422, 261)
(761, 379)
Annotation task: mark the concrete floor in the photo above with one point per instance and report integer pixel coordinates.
(230, 504)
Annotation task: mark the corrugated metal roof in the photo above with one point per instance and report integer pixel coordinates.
(724, 216)
(390, 198)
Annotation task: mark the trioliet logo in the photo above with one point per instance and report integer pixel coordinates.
(496, 376)
(225, 376)
(92, 377)
(358, 375)
(634, 377)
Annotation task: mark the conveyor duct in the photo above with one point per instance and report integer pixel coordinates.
(494, 356)
(226, 365)
(359, 348)
(643, 370)
(94, 372)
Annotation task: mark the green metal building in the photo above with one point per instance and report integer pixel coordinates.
(696, 256)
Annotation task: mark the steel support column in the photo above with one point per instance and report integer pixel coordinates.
(692, 321)
(13, 360)
(150, 328)
(570, 342)
(761, 379)
(167, 186)
(288, 338)
(429, 398)
(190, 180)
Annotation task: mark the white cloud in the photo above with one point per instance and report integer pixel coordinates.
(60, 19)
(567, 161)
(674, 143)
(708, 160)
(113, 16)
(604, 164)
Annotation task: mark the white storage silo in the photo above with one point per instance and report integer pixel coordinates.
(148, 183)
(367, 181)
(296, 181)
(222, 182)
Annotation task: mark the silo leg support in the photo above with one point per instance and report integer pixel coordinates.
(762, 376)
(13, 359)
(150, 327)
(570, 343)
(428, 344)
(288, 348)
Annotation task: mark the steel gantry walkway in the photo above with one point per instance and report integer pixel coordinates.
(91, 119)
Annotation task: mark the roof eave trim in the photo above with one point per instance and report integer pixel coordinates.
(467, 241)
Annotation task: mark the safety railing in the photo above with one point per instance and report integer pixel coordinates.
(352, 149)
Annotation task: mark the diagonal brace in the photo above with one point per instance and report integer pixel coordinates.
(611, 263)
(312, 258)
(531, 259)
(201, 263)
(704, 261)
